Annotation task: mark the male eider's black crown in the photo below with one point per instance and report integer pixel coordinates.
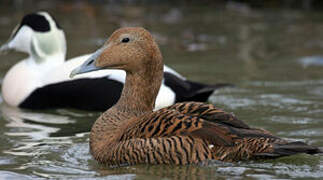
(35, 21)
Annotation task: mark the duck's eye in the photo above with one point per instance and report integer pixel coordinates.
(125, 40)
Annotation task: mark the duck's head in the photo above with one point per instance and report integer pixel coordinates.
(127, 49)
(39, 35)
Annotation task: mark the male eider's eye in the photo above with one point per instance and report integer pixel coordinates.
(125, 40)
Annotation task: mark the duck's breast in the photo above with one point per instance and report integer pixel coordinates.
(19, 82)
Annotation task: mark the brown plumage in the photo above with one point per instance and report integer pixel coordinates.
(131, 133)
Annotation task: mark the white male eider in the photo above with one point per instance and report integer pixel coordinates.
(42, 80)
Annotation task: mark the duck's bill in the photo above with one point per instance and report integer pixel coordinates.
(88, 65)
(7, 47)
(4, 49)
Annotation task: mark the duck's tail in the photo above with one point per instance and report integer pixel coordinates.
(291, 148)
(187, 90)
(296, 147)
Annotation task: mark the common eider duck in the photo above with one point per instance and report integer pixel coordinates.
(132, 133)
(42, 80)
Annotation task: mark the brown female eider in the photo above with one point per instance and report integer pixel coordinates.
(132, 133)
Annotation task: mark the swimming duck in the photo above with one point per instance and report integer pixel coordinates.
(132, 133)
(42, 80)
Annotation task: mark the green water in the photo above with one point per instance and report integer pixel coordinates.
(261, 51)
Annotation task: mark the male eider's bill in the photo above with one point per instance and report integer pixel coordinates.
(42, 79)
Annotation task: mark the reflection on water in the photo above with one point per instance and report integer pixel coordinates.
(31, 124)
(261, 51)
(311, 61)
(37, 129)
(40, 125)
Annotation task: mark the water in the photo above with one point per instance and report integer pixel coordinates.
(273, 56)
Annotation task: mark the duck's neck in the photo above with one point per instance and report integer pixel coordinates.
(140, 90)
(137, 98)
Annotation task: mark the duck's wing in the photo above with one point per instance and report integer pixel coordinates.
(197, 120)
(208, 112)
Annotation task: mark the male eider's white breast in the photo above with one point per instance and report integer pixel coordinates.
(19, 82)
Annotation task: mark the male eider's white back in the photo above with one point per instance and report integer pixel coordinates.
(118, 75)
